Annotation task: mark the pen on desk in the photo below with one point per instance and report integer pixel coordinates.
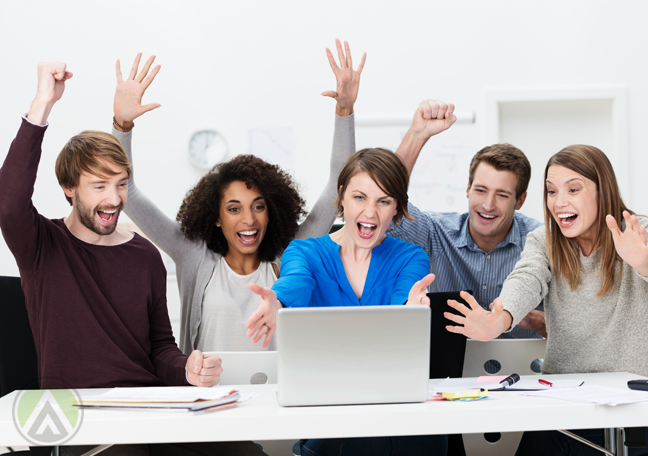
(544, 382)
(510, 379)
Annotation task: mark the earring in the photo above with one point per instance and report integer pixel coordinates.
(217, 225)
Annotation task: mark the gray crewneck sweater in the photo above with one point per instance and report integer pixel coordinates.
(586, 333)
(194, 261)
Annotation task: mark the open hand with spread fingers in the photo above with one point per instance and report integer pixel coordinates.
(263, 322)
(348, 79)
(631, 243)
(432, 117)
(478, 323)
(129, 92)
(418, 293)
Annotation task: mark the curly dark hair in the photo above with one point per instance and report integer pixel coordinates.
(201, 207)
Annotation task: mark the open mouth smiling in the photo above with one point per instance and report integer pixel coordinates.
(567, 218)
(366, 230)
(107, 216)
(248, 237)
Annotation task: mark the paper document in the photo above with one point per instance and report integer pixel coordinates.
(450, 385)
(595, 395)
(160, 394)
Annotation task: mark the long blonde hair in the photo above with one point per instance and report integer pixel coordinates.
(564, 253)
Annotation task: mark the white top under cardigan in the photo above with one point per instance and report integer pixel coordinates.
(195, 262)
(227, 303)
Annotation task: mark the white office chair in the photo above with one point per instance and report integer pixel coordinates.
(514, 356)
(253, 368)
(247, 368)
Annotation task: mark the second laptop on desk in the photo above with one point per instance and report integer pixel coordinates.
(353, 355)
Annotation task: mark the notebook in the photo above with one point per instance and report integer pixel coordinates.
(353, 355)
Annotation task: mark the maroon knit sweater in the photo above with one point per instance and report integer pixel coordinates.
(98, 313)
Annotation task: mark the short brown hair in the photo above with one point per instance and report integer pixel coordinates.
(387, 171)
(89, 152)
(504, 157)
(564, 253)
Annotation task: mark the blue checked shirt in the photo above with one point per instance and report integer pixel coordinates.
(456, 260)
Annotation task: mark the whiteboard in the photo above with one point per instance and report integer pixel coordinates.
(440, 177)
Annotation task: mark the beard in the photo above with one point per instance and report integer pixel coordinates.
(87, 216)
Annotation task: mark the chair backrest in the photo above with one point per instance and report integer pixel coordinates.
(514, 356)
(18, 361)
(245, 368)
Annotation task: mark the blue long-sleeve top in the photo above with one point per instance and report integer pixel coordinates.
(312, 274)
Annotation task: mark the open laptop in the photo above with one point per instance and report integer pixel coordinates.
(353, 355)
(447, 350)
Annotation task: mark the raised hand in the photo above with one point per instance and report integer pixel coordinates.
(129, 92)
(432, 117)
(630, 244)
(348, 79)
(478, 323)
(418, 294)
(203, 370)
(264, 320)
(51, 85)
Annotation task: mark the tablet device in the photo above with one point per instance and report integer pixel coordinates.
(447, 350)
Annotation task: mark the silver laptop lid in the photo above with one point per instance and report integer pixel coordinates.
(353, 355)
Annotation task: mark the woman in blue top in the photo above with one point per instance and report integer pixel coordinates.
(357, 265)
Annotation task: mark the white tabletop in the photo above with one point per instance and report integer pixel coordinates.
(261, 418)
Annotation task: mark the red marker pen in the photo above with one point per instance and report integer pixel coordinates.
(544, 382)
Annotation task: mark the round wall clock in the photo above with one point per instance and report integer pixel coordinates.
(207, 148)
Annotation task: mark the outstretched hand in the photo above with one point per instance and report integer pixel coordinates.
(129, 92)
(51, 85)
(631, 243)
(432, 117)
(418, 294)
(348, 79)
(478, 324)
(264, 320)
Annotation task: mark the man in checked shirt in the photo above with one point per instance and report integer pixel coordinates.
(478, 249)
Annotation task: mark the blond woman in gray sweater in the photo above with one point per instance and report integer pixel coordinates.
(591, 273)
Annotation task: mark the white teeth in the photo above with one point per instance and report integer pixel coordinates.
(248, 233)
(566, 215)
(110, 212)
(487, 216)
(367, 225)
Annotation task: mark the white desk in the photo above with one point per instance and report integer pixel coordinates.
(261, 418)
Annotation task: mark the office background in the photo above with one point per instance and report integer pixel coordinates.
(254, 71)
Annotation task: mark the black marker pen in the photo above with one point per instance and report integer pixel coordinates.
(511, 379)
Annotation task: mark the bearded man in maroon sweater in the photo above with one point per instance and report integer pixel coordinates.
(95, 293)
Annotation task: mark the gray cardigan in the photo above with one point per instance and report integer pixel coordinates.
(586, 333)
(194, 261)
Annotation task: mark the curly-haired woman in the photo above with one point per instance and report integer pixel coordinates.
(236, 222)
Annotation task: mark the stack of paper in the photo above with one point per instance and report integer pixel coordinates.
(595, 395)
(161, 398)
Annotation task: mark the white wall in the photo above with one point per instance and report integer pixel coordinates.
(244, 64)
